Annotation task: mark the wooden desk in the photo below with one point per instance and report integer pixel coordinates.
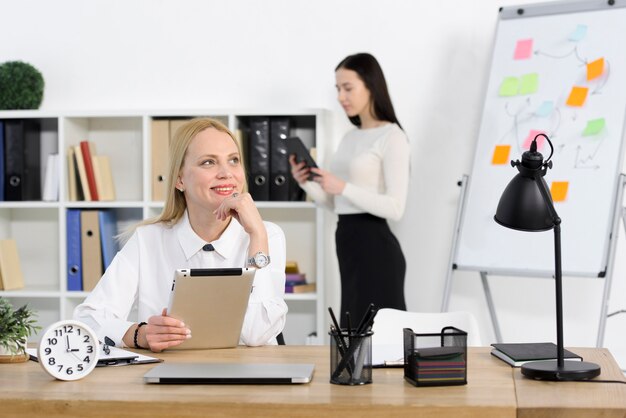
(494, 390)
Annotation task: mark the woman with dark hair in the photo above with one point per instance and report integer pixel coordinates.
(367, 184)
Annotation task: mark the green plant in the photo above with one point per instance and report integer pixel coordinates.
(21, 86)
(16, 325)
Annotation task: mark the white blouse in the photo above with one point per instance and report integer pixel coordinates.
(141, 274)
(374, 163)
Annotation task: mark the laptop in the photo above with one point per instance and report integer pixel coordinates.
(212, 303)
(230, 373)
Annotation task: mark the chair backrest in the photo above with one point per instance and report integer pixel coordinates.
(389, 323)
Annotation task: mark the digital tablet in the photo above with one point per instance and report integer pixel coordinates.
(296, 147)
(212, 303)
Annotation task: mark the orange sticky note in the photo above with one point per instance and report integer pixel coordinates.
(595, 69)
(559, 190)
(577, 96)
(501, 154)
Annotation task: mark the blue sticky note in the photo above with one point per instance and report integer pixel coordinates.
(545, 109)
(579, 33)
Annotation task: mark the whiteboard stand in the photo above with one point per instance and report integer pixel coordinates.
(619, 214)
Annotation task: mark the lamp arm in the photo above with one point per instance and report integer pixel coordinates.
(558, 274)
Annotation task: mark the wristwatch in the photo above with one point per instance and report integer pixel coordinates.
(259, 260)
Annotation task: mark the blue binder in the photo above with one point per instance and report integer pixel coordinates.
(108, 230)
(74, 258)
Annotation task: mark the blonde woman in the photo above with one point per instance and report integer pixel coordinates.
(207, 203)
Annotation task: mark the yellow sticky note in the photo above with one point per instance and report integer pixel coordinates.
(501, 154)
(577, 96)
(509, 86)
(595, 69)
(559, 190)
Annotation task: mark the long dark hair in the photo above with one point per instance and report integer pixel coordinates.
(366, 66)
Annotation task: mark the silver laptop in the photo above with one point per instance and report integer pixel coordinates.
(212, 303)
(230, 373)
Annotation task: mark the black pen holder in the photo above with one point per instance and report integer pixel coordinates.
(350, 358)
(438, 359)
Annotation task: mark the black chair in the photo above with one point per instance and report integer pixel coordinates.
(280, 339)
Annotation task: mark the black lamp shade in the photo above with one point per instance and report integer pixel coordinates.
(522, 207)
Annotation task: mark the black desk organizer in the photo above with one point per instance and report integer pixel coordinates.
(438, 359)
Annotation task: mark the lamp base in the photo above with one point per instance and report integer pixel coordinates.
(571, 370)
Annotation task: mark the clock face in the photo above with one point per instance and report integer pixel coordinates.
(68, 350)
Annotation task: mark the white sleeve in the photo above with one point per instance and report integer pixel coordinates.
(315, 191)
(267, 310)
(107, 307)
(391, 204)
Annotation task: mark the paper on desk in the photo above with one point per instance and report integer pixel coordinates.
(116, 357)
(387, 355)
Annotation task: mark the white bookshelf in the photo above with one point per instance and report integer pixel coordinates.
(39, 227)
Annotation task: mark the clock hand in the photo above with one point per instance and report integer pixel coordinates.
(67, 343)
(77, 358)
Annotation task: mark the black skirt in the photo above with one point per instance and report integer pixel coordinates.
(371, 265)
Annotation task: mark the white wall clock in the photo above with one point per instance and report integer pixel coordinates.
(68, 350)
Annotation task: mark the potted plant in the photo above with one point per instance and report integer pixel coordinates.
(16, 325)
(21, 86)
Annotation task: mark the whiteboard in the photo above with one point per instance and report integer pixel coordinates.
(560, 69)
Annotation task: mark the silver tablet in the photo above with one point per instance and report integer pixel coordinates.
(212, 303)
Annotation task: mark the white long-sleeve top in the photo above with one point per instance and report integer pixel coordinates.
(374, 163)
(143, 270)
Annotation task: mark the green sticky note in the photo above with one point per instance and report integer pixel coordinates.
(509, 86)
(529, 84)
(594, 126)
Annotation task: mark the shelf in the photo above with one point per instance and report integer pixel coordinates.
(301, 296)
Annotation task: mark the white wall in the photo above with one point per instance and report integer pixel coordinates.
(168, 54)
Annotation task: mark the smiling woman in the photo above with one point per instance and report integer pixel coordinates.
(206, 203)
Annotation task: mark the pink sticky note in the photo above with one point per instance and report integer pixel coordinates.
(523, 49)
(529, 139)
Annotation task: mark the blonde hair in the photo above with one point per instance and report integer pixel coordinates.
(175, 204)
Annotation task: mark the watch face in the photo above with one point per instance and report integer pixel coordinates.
(261, 260)
(68, 350)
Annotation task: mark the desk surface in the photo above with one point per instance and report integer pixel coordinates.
(494, 390)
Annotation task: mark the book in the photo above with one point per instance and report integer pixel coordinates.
(50, 191)
(13, 159)
(279, 160)
(517, 354)
(72, 175)
(49, 145)
(10, 269)
(108, 232)
(258, 155)
(295, 278)
(31, 175)
(91, 248)
(291, 267)
(88, 150)
(300, 288)
(104, 177)
(74, 256)
(160, 157)
(81, 180)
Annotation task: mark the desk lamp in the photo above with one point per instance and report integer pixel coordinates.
(526, 205)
